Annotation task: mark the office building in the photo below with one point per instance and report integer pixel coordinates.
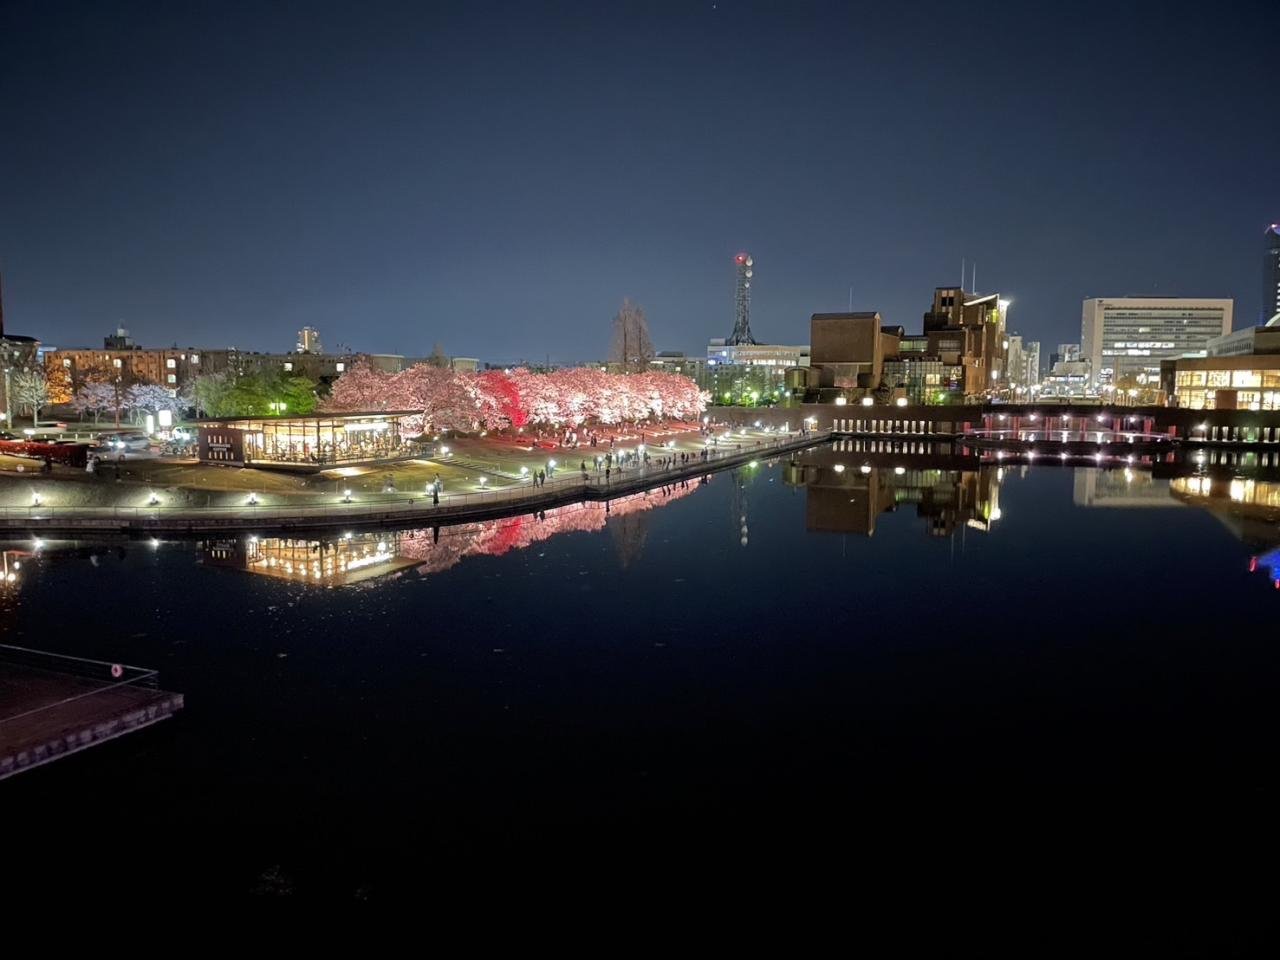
(1271, 273)
(1124, 339)
(308, 341)
(677, 362)
(1031, 353)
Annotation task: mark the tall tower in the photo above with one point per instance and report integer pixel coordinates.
(742, 301)
(1271, 273)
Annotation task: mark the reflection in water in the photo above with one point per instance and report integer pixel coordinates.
(1248, 507)
(847, 494)
(848, 486)
(1121, 488)
(355, 557)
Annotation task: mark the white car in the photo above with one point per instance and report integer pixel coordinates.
(124, 442)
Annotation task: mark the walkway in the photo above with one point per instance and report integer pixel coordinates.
(402, 510)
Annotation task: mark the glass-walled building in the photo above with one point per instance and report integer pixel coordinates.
(316, 442)
(1226, 383)
(1125, 339)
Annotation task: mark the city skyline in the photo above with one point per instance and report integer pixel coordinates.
(414, 177)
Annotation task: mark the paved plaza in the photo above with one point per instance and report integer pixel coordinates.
(463, 467)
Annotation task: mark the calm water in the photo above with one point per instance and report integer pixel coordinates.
(880, 654)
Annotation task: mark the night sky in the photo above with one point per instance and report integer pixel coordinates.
(497, 177)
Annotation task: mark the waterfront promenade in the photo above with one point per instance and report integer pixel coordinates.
(568, 484)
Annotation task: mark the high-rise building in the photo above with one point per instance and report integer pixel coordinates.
(742, 301)
(1271, 273)
(309, 341)
(1031, 353)
(1015, 362)
(1123, 340)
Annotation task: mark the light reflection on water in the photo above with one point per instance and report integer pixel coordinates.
(799, 629)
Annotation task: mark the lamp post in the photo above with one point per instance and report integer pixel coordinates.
(8, 396)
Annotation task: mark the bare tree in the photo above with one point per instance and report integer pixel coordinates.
(31, 390)
(632, 348)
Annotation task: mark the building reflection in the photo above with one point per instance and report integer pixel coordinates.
(359, 556)
(329, 562)
(851, 484)
(1247, 506)
(1129, 487)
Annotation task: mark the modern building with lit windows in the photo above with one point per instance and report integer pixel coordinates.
(309, 443)
(1124, 339)
(1271, 273)
(1224, 383)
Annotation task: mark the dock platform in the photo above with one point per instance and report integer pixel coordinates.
(52, 706)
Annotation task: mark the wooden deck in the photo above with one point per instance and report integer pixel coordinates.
(47, 714)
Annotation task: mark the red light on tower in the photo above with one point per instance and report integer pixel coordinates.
(740, 258)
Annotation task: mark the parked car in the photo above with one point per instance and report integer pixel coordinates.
(123, 442)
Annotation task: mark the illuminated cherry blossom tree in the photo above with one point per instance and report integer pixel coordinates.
(496, 400)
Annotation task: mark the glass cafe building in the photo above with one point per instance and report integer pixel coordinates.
(308, 443)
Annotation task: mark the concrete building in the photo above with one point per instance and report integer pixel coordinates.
(721, 352)
(1067, 378)
(735, 371)
(309, 341)
(848, 350)
(968, 330)
(171, 367)
(1265, 339)
(1016, 362)
(677, 362)
(120, 340)
(1031, 353)
(1124, 339)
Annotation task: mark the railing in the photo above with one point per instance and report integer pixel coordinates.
(111, 675)
(382, 505)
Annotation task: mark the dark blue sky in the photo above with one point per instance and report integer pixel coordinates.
(497, 177)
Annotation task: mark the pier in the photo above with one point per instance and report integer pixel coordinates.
(55, 705)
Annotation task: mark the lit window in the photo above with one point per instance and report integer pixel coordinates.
(171, 363)
(66, 362)
(116, 362)
(195, 358)
(341, 366)
(288, 365)
(173, 378)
